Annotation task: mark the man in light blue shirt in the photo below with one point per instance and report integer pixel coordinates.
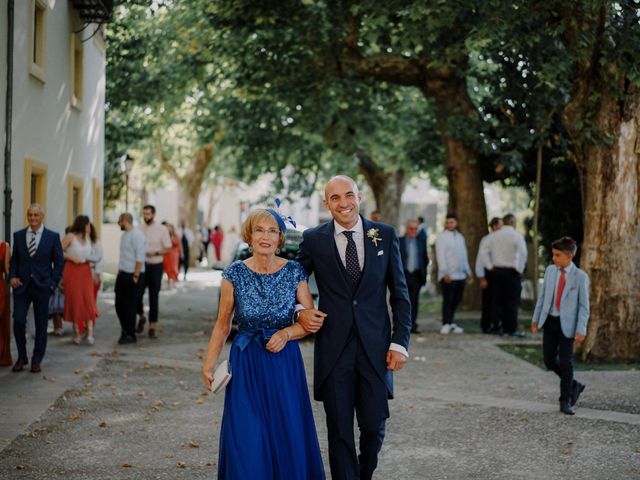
(130, 277)
(453, 271)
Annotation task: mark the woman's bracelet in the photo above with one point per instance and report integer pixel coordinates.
(288, 334)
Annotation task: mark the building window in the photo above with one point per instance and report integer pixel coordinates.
(77, 64)
(75, 194)
(96, 219)
(35, 184)
(38, 40)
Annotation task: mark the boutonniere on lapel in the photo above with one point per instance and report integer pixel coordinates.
(374, 235)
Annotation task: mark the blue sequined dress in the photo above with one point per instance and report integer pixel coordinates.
(268, 431)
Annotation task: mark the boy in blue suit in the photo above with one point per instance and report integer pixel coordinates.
(562, 313)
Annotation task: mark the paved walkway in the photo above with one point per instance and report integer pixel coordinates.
(464, 409)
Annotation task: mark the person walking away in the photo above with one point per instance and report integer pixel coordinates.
(171, 261)
(486, 281)
(34, 272)
(453, 271)
(158, 244)
(130, 279)
(186, 240)
(505, 256)
(562, 313)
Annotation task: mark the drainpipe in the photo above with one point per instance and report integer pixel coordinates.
(9, 117)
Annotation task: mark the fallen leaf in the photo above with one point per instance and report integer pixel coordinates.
(103, 424)
(127, 465)
(193, 444)
(168, 455)
(96, 354)
(77, 371)
(180, 464)
(74, 417)
(511, 387)
(200, 401)
(20, 467)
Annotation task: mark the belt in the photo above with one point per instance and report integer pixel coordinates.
(260, 335)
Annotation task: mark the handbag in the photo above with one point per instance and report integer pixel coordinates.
(221, 377)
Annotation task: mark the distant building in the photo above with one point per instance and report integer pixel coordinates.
(52, 127)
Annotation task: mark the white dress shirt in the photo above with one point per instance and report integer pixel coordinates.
(480, 266)
(341, 241)
(451, 253)
(358, 238)
(505, 248)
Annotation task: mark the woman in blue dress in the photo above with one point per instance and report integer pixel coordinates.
(267, 431)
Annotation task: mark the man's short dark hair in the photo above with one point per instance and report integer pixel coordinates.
(509, 219)
(452, 215)
(150, 207)
(565, 244)
(420, 219)
(494, 221)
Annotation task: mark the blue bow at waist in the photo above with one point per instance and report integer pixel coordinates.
(260, 335)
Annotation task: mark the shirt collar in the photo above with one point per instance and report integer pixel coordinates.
(567, 269)
(39, 229)
(357, 228)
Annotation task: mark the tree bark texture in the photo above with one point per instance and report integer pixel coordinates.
(387, 188)
(609, 168)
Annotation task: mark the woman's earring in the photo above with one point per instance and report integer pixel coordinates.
(278, 250)
(250, 249)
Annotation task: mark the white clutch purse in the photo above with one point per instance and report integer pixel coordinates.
(221, 377)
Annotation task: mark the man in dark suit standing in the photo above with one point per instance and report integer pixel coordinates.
(413, 251)
(356, 262)
(34, 273)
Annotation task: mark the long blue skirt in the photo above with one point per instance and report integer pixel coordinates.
(268, 431)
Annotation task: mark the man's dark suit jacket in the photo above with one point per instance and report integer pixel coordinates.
(364, 309)
(422, 256)
(44, 268)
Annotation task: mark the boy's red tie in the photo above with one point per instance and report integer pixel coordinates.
(560, 288)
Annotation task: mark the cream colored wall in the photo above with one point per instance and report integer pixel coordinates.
(46, 128)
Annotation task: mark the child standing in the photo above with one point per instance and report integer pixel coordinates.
(562, 313)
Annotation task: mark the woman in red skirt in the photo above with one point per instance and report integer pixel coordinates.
(79, 300)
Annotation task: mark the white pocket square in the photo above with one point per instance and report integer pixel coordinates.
(380, 252)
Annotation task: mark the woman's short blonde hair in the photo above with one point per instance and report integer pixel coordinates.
(255, 217)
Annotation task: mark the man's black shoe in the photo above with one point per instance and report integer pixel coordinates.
(576, 389)
(566, 408)
(152, 333)
(19, 365)
(416, 331)
(127, 339)
(141, 322)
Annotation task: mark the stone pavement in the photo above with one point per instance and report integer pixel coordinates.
(464, 409)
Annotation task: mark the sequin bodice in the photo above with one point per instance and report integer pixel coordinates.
(264, 300)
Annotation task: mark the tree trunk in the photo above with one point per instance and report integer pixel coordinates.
(466, 190)
(387, 188)
(610, 178)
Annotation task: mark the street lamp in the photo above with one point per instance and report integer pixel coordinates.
(126, 164)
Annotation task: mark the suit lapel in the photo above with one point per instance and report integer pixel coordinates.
(329, 242)
(370, 251)
(569, 283)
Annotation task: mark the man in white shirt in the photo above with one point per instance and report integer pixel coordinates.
(158, 243)
(504, 254)
(453, 271)
(486, 281)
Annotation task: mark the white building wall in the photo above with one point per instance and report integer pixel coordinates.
(46, 128)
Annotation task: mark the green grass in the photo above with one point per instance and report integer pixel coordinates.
(533, 355)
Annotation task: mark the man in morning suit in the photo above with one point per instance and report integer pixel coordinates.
(355, 262)
(34, 273)
(413, 251)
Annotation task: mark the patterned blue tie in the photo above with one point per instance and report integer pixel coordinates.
(351, 257)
